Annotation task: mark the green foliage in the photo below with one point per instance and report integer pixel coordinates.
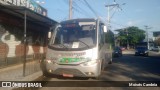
(109, 37)
(132, 34)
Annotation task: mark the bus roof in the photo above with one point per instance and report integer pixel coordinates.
(79, 20)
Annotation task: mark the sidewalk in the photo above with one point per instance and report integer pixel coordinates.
(15, 73)
(151, 53)
(130, 51)
(154, 53)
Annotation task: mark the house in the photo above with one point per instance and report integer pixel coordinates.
(24, 31)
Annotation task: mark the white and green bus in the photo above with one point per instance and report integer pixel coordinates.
(77, 48)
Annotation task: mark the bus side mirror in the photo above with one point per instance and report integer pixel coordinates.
(49, 34)
(105, 29)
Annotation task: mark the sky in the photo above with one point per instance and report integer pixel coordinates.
(134, 12)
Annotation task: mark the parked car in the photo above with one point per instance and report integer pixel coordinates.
(123, 48)
(117, 52)
(141, 51)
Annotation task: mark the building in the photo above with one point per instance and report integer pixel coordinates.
(24, 28)
(156, 35)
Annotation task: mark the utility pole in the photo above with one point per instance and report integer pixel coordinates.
(25, 40)
(108, 12)
(146, 27)
(127, 39)
(108, 9)
(70, 9)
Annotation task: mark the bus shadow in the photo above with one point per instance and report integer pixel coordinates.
(60, 77)
(131, 68)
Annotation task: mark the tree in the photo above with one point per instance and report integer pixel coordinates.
(132, 35)
(109, 37)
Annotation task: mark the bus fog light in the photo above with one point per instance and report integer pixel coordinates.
(50, 70)
(89, 73)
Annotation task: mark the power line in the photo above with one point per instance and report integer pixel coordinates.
(115, 23)
(79, 9)
(91, 8)
(85, 12)
(65, 18)
(113, 6)
(113, 14)
(119, 24)
(82, 2)
(122, 26)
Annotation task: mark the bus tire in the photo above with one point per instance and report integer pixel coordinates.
(45, 73)
(146, 55)
(96, 78)
(102, 65)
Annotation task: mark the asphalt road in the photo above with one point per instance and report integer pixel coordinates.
(125, 68)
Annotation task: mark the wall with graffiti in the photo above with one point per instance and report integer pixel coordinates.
(12, 43)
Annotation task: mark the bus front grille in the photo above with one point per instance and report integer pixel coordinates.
(74, 72)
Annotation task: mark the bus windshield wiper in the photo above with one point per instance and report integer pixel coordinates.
(63, 45)
(83, 43)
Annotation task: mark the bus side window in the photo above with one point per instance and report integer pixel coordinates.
(101, 36)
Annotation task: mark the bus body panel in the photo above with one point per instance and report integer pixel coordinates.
(87, 62)
(81, 68)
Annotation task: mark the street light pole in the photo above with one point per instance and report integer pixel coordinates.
(146, 27)
(127, 39)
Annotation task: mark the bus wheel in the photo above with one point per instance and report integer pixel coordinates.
(96, 78)
(45, 73)
(146, 55)
(102, 66)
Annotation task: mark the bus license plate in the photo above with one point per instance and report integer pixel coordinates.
(67, 75)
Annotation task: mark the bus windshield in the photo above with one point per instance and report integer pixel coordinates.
(74, 36)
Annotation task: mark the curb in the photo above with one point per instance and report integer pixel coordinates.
(32, 77)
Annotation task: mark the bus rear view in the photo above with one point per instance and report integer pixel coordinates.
(75, 48)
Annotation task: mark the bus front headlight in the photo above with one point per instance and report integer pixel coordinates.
(48, 61)
(51, 60)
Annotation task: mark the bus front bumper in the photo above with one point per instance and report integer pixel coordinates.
(70, 70)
